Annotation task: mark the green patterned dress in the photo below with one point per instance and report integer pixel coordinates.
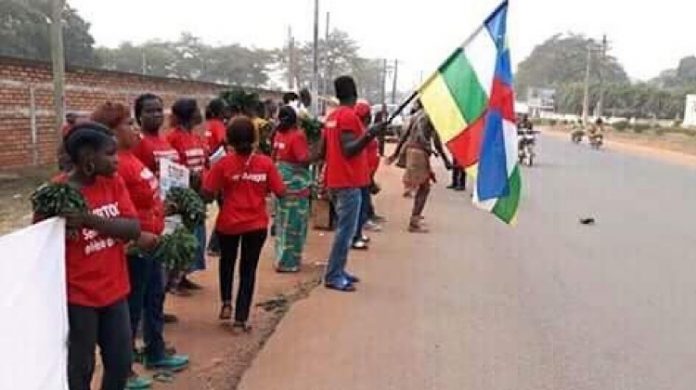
(292, 216)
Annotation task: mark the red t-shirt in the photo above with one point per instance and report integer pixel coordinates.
(341, 171)
(291, 146)
(96, 265)
(215, 134)
(192, 149)
(152, 149)
(244, 182)
(143, 188)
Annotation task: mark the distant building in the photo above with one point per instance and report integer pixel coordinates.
(541, 101)
(690, 111)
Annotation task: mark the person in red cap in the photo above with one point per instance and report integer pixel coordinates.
(360, 241)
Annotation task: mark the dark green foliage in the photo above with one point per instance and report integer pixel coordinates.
(312, 128)
(187, 203)
(177, 250)
(57, 199)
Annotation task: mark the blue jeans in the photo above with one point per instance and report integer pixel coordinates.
(146, 301)
(365, 206)
(199, 263)
(347, 203)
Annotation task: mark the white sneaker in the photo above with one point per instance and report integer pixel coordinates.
(372, 227)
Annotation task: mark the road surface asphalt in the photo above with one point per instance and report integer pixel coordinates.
(548, 304)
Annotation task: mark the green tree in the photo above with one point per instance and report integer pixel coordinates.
(686, 71)
(561, 60)
(339, 55)
(24, 32)
(190, 58)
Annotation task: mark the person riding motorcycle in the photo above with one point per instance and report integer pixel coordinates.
(525, 139)
(597, 128)
(577, 131)
(596, 133)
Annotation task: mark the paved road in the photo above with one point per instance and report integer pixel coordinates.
(550, 304)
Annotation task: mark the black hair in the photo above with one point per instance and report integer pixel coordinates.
(345, 88)
(184, 110)
(599, 121)
(140, 104)
(306, 97)
(87, 135)
(290, 97)
(235, 109)
(215, 109)
(241, 135)
(287, 117)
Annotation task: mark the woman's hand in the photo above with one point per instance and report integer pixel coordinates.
(75, 220)
(147, 241)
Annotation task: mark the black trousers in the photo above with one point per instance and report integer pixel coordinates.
(109, 327)
(251, 243)
(458, 176)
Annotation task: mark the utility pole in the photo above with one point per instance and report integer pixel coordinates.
(396, 74)
(58, 59)
(291, 60)
(315, 68)
(586, 99)
(384, 82)
(144, 62)
(327, 73)
(602, 76)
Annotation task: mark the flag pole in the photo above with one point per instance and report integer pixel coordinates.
(466, 42)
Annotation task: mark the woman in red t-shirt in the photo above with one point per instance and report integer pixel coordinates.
(193, 154)
(243, 178)
(146, 273)
(97, 277)
(291, 154)
(153, 146)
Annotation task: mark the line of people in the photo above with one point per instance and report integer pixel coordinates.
(114, 159)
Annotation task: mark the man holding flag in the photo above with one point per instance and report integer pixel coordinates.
(470, 101)
(419, 140)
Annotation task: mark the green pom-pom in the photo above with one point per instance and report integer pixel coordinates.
(188, 204)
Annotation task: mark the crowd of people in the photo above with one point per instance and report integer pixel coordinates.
(113, 159)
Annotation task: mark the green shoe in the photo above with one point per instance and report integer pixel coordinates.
(138, 382)
(173, 363)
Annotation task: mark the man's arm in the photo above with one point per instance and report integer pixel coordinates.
(400, 145)
(351, 145)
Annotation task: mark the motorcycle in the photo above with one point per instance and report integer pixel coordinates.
(596, 140)
(525, 146)
(577, 135)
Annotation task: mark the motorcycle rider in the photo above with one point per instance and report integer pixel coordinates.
(596, 131)
(525, 134)
(525, 125)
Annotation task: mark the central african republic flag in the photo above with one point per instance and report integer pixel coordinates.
(470, 101)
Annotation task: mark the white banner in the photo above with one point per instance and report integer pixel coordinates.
(33, 308)
(173, 175)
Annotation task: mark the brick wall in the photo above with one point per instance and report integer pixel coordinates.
(27, 134)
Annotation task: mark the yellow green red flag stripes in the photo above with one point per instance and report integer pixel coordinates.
(470, 103)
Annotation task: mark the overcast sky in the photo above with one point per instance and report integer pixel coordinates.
(646, 36)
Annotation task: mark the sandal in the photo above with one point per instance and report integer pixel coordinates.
(226, 311)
